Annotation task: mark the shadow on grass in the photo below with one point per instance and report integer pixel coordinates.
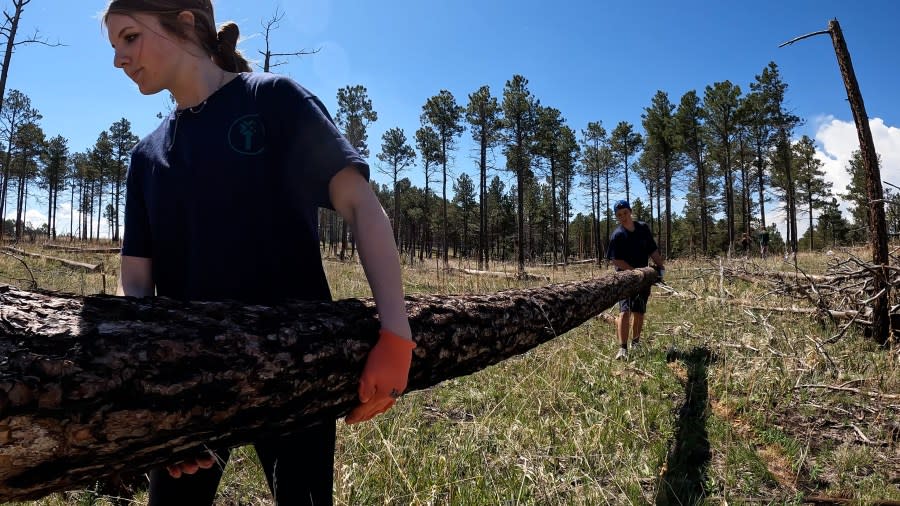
(683, 480)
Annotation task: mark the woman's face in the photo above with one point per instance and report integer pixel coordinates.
(144, 50)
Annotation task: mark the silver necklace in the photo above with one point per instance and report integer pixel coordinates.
(197, 109)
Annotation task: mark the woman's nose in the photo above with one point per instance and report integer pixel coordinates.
(119, 60)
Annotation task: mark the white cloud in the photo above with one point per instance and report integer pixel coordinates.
(838, 140)
(36, 218)
(32, 217)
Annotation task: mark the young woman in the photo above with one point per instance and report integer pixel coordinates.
(221, 203)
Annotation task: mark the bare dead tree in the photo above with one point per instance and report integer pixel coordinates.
(269, 26)
(8, 30)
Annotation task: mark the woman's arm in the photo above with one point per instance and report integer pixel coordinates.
(354, 199)
(386, 372)
(136, 277)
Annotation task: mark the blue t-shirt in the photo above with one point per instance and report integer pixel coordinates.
(224, 196)
(633, 247)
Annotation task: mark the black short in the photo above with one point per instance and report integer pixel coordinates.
(635, 304)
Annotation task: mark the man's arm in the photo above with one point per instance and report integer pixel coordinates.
(621, 265)
(657, 259)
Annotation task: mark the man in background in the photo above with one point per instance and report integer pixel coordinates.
(630, 246)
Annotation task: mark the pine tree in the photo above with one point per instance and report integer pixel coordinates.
(102, 160)
(857, 196)
(429, 145)
(444, 115)
(464, 201)
(28, 144)
(832, 223)
(483, 116)
(16, 113)
(693, 137)
(567, 153)
(600, 169)
(547, 131)
(720, 112)
(54, 178)
(398, 155)
(354, 115)
(784, 180)
(764, 116)
(650, 171)
(812, 189)
(123, 141)
(662, 138)
(519, 124)
(624, 143)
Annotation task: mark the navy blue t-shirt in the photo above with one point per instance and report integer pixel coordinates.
(224, 196)
(634, 247)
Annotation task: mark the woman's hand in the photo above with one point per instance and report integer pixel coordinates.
(384, 377)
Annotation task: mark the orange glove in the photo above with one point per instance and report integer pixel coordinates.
(384, 377)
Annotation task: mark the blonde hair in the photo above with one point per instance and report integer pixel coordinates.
(220, 45)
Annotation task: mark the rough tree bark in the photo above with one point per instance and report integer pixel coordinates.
(97, 387)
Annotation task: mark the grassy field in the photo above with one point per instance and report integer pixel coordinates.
(723, 405)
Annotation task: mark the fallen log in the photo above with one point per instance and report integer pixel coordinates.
(97, 387)
(69, 263)
(572, 262)
(76, 249)
(498, 274)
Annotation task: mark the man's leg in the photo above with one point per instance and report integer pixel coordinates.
(300, 467)
(637, 324)
(638, 308)
(196, 489)
(622, 328)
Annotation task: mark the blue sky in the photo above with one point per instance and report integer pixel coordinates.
(592, 60)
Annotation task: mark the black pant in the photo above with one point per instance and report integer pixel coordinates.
(298, 468)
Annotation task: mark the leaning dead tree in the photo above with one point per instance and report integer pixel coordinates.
(881, 324)
(97, 387)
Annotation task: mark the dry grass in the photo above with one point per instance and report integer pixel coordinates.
(727, 420)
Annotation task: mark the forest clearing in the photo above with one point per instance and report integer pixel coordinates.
(521, 158)
(738, 396)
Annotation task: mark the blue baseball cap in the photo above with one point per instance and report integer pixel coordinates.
(622, 204)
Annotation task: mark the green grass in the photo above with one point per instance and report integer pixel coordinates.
(565, 424)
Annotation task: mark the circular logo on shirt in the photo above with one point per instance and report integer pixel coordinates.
(247, 135)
